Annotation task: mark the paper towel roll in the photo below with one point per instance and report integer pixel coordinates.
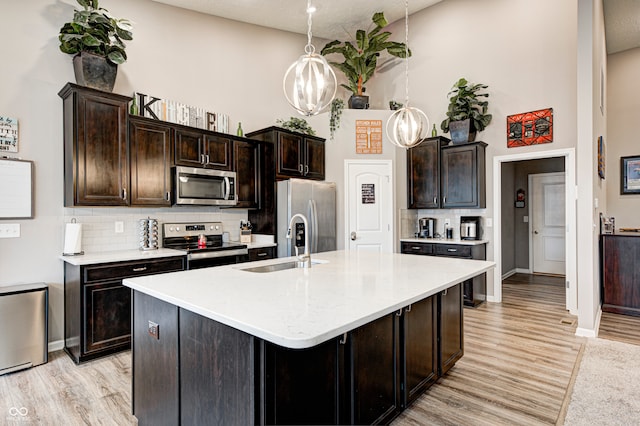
(72, 238)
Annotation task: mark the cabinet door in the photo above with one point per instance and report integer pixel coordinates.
(189, 148)
(101, 156)
(107, 316)
(420, 355)
(462, 180)
(374, 363)
(302, 385)
(407, 247)
(423, 175)
(621, 274)
(451, 328)
(151, 159)
(218, 152)
(247, 167)
(289, 157)
(314, 166)
(261, 253)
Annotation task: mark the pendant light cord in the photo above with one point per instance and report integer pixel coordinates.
(309, 48)
(406, 51)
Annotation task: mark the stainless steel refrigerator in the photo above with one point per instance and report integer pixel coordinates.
(317, 202)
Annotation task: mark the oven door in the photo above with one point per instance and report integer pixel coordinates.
(196, 186)
(216, 258)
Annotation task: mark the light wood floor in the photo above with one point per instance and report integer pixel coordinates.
(623, 328)
(519, 357)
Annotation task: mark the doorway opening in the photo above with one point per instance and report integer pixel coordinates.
(504, 191)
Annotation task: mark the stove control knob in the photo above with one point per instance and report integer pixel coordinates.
(217, 227)
(171, 229)
(177, 229)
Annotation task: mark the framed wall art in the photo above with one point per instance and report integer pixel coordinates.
(630, 174)
(601, 157)
(8, 134)
(530, 128)
(368, 136)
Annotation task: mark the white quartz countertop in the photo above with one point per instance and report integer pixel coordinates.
(301, 308)
(445, 241)
(120, 256)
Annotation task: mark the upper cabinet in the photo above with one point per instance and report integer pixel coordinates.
(196, 148)
(96, 155)
(446, 176)
(296, 155)
(247, 167)
(151, 159)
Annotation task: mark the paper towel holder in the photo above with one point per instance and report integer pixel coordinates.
(81, 252)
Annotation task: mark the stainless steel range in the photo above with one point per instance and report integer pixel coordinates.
(203, 244)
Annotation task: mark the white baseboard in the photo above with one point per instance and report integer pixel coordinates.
(585, 332)
(491, 299)
(508, 274)
(56, 345)
(523, 271)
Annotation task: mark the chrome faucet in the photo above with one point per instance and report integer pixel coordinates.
(306, 257)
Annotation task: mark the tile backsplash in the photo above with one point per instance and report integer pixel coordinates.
(409, 220)
(98, 224)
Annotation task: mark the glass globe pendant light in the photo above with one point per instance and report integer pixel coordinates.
(310, 83)
(407, 126)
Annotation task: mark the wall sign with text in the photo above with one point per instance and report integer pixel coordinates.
(368, 136)
(8, 134)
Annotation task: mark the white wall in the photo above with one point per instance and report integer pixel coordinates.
(205, 61)
(622, 133)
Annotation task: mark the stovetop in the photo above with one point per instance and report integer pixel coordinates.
(185, 236)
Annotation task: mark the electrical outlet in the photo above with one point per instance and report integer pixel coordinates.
(119, 227)
(154, 330)
(488, 222)
(525, 219)
(447, 222)
(9, 230)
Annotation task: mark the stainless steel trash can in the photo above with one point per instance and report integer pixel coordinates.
(23, 326)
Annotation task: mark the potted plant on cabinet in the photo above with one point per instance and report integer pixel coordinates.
(96, 39)
(361, 59)
(467, 114)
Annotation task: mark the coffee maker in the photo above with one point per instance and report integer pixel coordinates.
(470, 228)
(427, 227)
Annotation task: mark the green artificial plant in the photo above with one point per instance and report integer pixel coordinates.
(337, 105)
(298, 125)
(94, 30)
(465, 102)
(361, 59)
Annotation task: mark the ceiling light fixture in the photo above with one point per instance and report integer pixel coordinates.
(407, 126)
(310, 83)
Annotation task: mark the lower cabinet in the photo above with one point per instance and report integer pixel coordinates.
(474, 289)
(97, 307)
(620, 274)
(262, 253)
(188, 369)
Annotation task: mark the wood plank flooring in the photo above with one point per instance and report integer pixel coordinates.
(519, 356)
(518, 361)
(622, 328)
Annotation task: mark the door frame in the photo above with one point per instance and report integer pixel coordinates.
(530, 191)
(569, 155)
(347, 189)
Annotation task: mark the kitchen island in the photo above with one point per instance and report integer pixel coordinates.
(353, 339)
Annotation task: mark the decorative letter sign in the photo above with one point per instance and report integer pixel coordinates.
(368, 136)
(530, 128)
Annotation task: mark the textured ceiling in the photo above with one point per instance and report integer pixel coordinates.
(336, 19)
(333, 19)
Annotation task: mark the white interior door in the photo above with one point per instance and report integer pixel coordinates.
(548, 223)
(369, 205)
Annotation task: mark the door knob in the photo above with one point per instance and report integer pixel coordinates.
(535, 232)
(353, 236)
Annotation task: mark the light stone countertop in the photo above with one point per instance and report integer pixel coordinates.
(120, 256)
(301, 308)
(445, 241)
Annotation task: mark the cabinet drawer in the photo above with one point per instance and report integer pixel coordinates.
(453, 250)
(262, 253)
(416, 248)
(132, 269)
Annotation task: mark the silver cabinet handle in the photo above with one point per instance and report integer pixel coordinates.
(306, 170)
(415, 248)
(407, 309)
(124, 193)
(262, 254)
(207, 156)
(435, 200)
(168, 196)
(201, 158)
(300, 168)
(444, 292)
(343, 339)
(399, 313)
(143, 268)
(353, 236)
(452, 250)
(444, 200)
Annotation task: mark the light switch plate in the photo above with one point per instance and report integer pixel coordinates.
(488, 222)
(9, 230)
(154, 330)
(525, 219)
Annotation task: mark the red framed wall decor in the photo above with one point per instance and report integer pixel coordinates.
(530, 128)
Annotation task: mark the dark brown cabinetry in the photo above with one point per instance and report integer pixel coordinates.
(474, 289)
(247, 167)
(462, 176)
(620, 274)
(296, 155)
(151, 160)
(96, 169)
(98, 307)
(450, 324)
(423, 174)
(446, 176)
(262, 253)
(195, 148)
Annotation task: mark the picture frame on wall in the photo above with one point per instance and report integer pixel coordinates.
(601, 157)
(630, 175)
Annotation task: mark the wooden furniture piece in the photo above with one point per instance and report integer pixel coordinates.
(97, 307)
(446, 176)
(474, 289)
(296, 155)
(620, 273)
(96, 156)
(367, 376)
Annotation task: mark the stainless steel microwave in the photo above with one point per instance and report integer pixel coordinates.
(205, 187)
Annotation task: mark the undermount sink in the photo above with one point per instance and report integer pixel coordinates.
(279, 266)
